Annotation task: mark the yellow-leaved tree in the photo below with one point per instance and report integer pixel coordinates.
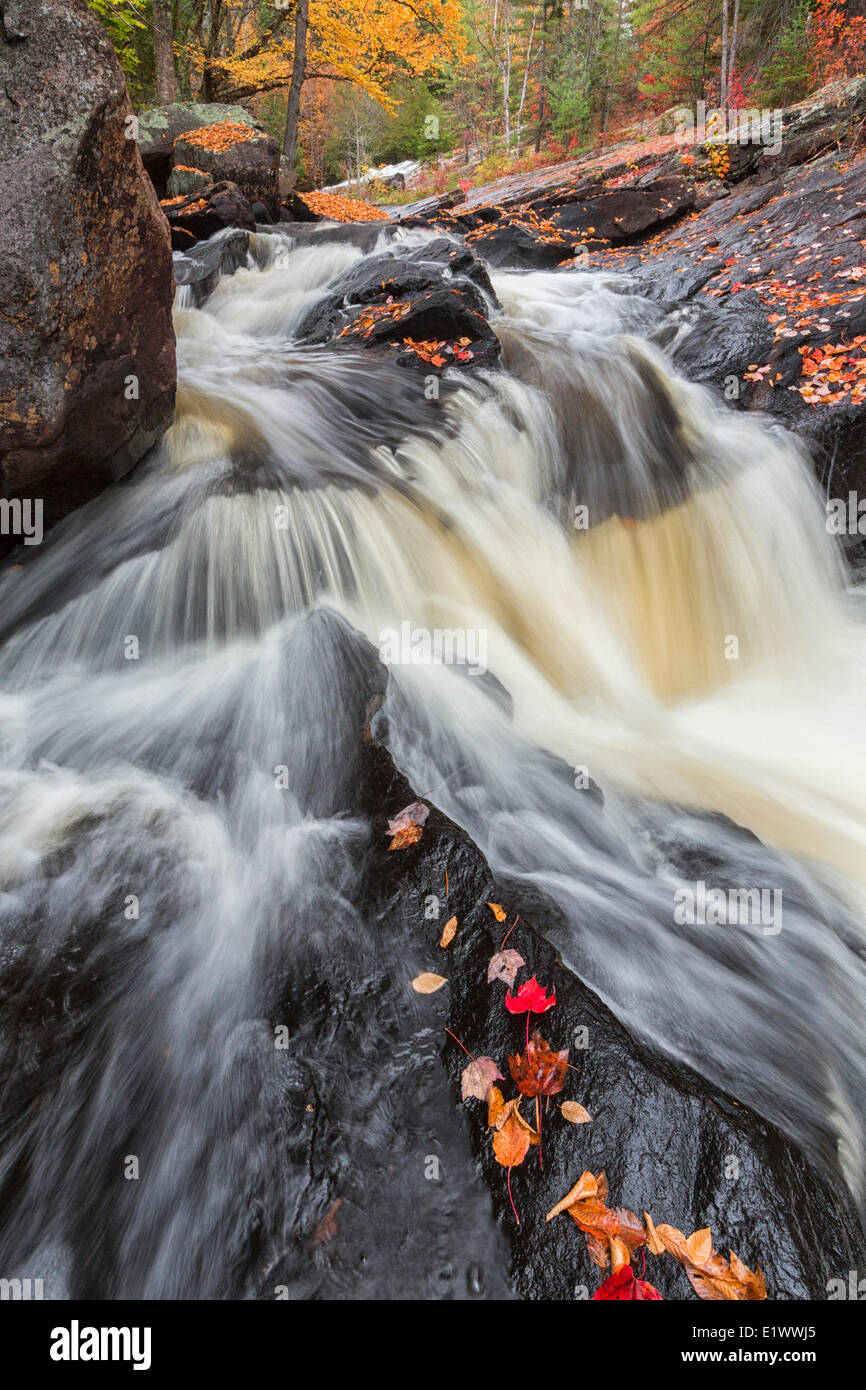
(247, 49)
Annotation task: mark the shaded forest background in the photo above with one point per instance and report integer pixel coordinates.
(492, 84)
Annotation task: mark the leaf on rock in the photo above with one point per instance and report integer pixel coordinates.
(504, 966)
(586, 1186)
(513, 1134)
(477, 1079)
(426, 983)
(539, 1071)
(530, 998)
(622, 1285)
(653, 1244)
(574, 1113)
(699, 1246)
(598, 1251)
(449, 931)
(619, 1253)
(498, 912)
(712, 1276)
(510, 1143)
(407, 827)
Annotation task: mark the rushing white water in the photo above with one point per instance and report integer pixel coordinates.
(694, 653)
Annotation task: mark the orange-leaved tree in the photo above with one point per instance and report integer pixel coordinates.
(365, 42)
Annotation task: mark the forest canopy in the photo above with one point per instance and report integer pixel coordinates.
(349, 83)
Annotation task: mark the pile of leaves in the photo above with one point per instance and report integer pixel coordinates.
(438, 354)
(614, 1235)
(199, 205)
(364, 324)
(221, 136)
(834, 373)
(339, 209)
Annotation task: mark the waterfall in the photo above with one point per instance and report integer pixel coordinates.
(623, 657)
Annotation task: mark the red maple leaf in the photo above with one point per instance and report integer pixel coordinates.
(623, 1285)
(530, 998)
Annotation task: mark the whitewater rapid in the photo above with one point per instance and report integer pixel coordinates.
(692, 651)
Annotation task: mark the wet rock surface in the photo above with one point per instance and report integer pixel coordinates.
(205, 211)
(437, 295)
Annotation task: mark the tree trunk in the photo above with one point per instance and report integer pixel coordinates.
(611, 82)
(299, 64)
(542, 79)
(163, 52)
(732, 61)
(723, 84)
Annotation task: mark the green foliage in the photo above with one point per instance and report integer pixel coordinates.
(125, 28)
(786, 76)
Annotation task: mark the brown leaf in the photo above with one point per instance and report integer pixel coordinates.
(699, 1246)
(426, 983)
(327, 1227)
(504, 966)
(539, 1071)
(513, 1135)
(449, 931)
(498, 912)
(407, 826)
(586, 1186)
(673, 1241)
(408, 835)
(619, 1254)
(495, 1107)
(598, 1251)
(574, 1113)
(478, 1078)
(510, 1144)
(653, 1244)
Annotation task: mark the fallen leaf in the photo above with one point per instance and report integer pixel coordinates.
(699, 1246)
(504, 966)
(586, 1186)
(530, 998)
(574, 1113)
(498, 912)
(623, 1285)
(477, 1079)
(449, 931)
(408, 835)
(510, 1143)
(653, 1244)
(619, 1254)
(539, 1071)
(426, 983)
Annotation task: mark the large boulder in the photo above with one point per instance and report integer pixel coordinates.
(229, 154)
(430, 303)
(159, 128)
(86, 335)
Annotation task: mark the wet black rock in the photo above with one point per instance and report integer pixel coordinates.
(436, 293)
(206, 262)
(668, 1142)
(206, 211)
